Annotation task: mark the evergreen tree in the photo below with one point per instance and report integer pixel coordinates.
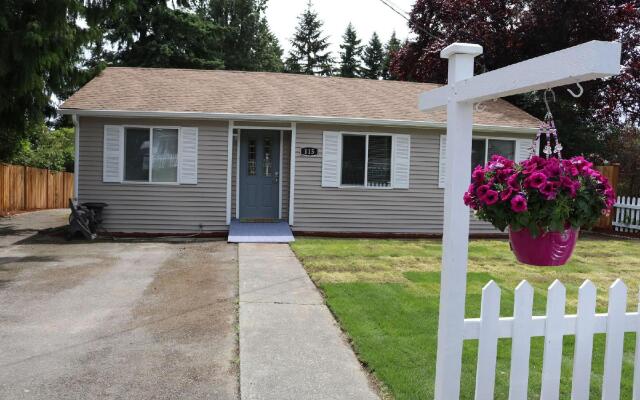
(248, 43)
(40, 48)
(309, 54)
(350, 66)
(392, 47)
(151, 33)
(373, 58)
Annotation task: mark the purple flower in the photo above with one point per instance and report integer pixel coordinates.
(490, 197)
(536, 180)
(478, 175)
(512, 181)
(519, 203)
(482, 190)
(505, 194)
(548, 190)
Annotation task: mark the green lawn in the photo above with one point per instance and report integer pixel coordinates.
(385, 293)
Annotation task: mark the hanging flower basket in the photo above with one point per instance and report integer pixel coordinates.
(556, 247)
(544, 202)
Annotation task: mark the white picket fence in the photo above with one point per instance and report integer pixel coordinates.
(627, 214)
(553, 326)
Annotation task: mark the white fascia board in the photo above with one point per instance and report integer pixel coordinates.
(288, 118)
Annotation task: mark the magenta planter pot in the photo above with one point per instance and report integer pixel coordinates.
(551, 249)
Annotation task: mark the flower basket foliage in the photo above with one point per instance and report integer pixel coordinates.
(539, 194)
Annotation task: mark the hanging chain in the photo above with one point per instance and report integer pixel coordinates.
(547, 129)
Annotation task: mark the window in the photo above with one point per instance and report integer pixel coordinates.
(366, 160)
(151, 155)
(483, 149)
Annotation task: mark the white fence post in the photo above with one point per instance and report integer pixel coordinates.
(553, 333)
(636, 362)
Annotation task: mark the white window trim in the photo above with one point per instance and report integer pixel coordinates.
(366, 161)
(150, 128)
(486, 145)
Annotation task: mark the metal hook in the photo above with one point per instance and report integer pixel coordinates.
(579, 93)
(546, 102)
(480, 107)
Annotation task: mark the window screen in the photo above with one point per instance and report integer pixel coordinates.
(165, 155)
(353, 159)
(505, 148)
(136, 155)
(478, 150)
(379, 161)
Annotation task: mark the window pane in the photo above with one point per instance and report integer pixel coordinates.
(251, 159)
(165, 155)
(477, 152)
(353, 154)
(379, 165)
(505, 148)
(136, 154)
(268, 162)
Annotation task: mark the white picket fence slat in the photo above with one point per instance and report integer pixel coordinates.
(583, 350)
(554, 325)
(488, 345)
(521, 342)
(627, 214)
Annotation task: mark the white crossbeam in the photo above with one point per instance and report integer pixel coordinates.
(587, 61)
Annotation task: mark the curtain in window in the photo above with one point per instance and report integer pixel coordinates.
(353, 159)
(165, 155)
(379, 161)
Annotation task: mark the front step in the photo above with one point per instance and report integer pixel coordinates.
(259, 232)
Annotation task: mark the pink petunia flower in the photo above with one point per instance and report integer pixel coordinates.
(536, 180)
(548, 190)
(482, 190)
(519, 203)
(490, 197)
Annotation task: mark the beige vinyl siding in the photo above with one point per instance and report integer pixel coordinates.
(418, 209)
(158, 208)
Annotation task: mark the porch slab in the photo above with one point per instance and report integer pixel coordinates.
(259, 232)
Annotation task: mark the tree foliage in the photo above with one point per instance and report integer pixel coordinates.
(308, 54)
(390, 50)
(46, 148)
(40, 44)
(515, 30)
(373, 58)
(351, 50)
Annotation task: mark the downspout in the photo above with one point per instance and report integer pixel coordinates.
(76, 161)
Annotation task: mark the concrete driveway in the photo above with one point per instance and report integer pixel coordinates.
(115, 319)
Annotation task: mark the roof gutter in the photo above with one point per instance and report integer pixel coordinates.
(287, 118)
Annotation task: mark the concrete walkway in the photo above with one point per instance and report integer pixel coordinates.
(290, 345)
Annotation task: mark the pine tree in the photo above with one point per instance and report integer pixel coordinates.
(373, 58)
(40, 51)
(350, 63)
(248, 43)
(308, 54)
(392, 47)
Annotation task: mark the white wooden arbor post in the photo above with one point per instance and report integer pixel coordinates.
(587, 61)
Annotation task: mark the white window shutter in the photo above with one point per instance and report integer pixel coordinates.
(331, 147)
(443, 161)
(189, 155)
(401, 161)
(523, 147)
(112, 153)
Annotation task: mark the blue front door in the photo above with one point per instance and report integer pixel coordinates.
(259, 174)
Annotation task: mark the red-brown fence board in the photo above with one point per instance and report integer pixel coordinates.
(27, 188)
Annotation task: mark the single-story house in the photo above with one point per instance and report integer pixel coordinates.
(177, 151)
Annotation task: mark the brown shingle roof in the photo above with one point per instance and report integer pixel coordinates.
(264, 93)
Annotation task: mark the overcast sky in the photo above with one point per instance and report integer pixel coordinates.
(366, 15)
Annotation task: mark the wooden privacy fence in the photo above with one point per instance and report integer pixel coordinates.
(627, 214)
(554, 325)
(26, 188)
(611, 172)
